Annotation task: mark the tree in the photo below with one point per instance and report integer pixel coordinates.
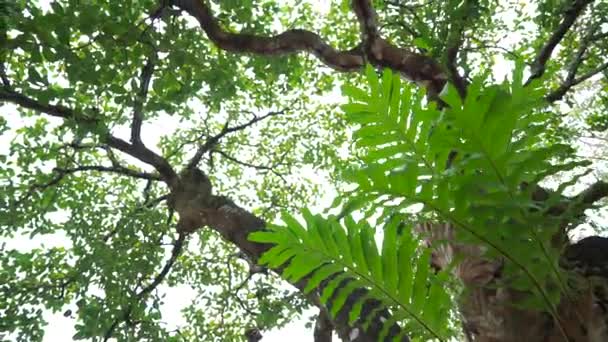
(88, 79)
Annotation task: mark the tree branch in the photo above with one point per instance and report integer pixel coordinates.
(253, 166)
(573, 67)
(29, 103)
(214, 140)
(138, 151)
(454, 43)
(593, 193)
(416, 67)
(559, 93)
(323, 327)
(544, 54)
(146, 76)
(119, 170)
(290, 41)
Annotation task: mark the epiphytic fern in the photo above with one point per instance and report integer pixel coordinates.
(338, 259)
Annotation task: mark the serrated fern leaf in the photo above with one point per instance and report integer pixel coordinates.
(338, 259)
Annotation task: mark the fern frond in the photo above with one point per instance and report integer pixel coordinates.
(338, 259)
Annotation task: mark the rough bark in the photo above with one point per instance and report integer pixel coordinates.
(373, 49)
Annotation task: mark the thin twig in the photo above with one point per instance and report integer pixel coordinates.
(214, 140)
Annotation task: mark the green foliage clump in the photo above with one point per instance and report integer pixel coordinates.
(473, 163)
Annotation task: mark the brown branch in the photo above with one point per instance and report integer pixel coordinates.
(178, 246)
(323, 327)
(544, 54)
(147, 156)
(454, 43)
(138, 151)
(5, 81)
(568, 83)
(591, 73)
(419, 68)
(119, 170)
(408, 7)
(29, 103)
(42, 187)
(235, 224)
(138, 117)
(214, 140)
(416, 67)
(290, 41)
(253, 166)
(558, 93)
(593, 193)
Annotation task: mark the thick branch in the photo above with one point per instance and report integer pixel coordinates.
(419, 68)
(29, 103)
(235, 224)
(593, 193)
(544, 54)
(379, 52)
(323, 327)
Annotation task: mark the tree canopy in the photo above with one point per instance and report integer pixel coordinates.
(413, 170)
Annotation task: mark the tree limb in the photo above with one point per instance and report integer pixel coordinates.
(119, 170)
(138, 151)
(253, 166)
(593, 193)
(29, 103)
(544, 54)
(290, 41)
(454, 43)
(573, 67)
(416, 67)
(146, 76)
(235, 224)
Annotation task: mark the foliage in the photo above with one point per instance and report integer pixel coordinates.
(347, 258)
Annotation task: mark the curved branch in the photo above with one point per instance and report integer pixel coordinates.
(593, 193)
(178, 246)
(175, 252)
(416, 67)
(290, 41)
(573, 67)
(29, 103)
